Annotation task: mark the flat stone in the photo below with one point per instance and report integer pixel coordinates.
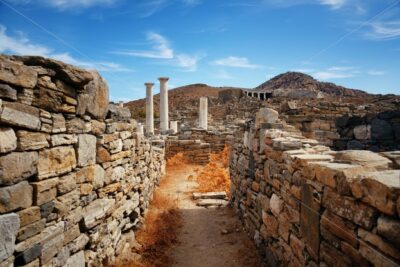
(266, 115)
(389, 228)
(380, 243)
(94, 174)
(209, 195)
(56, 161)
(28, 256)
(46, 209)
(276, 204)
(8, 140)
(17, 74)
(86, 150)
(77, 126)
(348, 208)
(29, 215)
(31, 230)
(31, 140)
(96, 211)
(98, 127)
(9, 225)
(78, 243)
(52, 239)
(44, 191)
(336, 226)
(59, 124)
(26, 162)
(313, 157)
(66, 183)
(328, 172)
(212, 203)
(375, 257)
(63, 139)
(7, 92)
(378, 189)
(20, 115)
(76, 260)
(364, 158)
(15, 196)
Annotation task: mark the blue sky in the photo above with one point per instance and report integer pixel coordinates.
(355, 43)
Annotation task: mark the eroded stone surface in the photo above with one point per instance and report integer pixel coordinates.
(9, 225)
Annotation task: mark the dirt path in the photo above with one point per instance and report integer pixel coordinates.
(201, 238)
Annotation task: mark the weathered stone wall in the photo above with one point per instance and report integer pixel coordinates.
(306, 205)
(75, 178)
(376, 132)
(195, 151)
(216, 139)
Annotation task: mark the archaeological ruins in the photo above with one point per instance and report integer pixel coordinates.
(315, 173)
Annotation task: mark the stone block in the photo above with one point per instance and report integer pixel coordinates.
(380, 243)
(63, 139)
(20, 115)
(334, 257)
(95, 211)
(8, 140)
(52, 239)
(66, 183)
(29, 256)
(27, 166)
(31, 230)
(7, 92)
(78, 126)
(76, 260)
(375, 257)
(44, 191)
(94, 174)
(59, 124)
(276, 204)
(78, 243)
(348, 208)
(46, 209)
(17, 74)
(29, 215)
(86, 150)
(381, 130)
(31, 140)
(362, 132)
(389, 228)
(9, 225)
(15, 196)
(364, 158)
(378, 189)
(336, 226)
(56, 161)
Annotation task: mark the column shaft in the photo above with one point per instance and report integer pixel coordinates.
(164, 120)
(149, 108)
(203, 113)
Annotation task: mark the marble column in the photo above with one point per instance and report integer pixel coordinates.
(173, 125)
(149, 108)
(203, 113)
(164, 120)
(139, 128)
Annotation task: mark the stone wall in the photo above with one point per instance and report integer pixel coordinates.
(376, 132)
(75, 178)
(216, 139)
(195, 151)
(306, 205)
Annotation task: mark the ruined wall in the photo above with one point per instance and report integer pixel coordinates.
(195, 151)
(377, 132)
(306, 205)
(75, 178)
(216, 139)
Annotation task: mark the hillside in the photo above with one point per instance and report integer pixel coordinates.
(300, 81)
(178, 97)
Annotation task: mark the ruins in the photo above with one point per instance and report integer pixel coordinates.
(315, 182)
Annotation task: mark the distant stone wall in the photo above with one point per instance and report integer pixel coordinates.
(216, 139)
(195, 151)
(306, 205)
(376, 132)
(75, 178)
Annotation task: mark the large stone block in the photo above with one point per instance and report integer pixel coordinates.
(63, 139)
(76, 260)
(96, 211)
(20, 115)
(31, 230)
(56, 161)
(44, 191)
(17, 74)
(378, 189)
(17, 166)
(52, 239)
(349, 208)
(390, 229)
(7, 92)
(15, 196)
(29, 215)
(266, 115)
(364, 158)
(362, 132)
(32, 140)
(86, 150)
(94, 100)
(9, 225)
(8, 140)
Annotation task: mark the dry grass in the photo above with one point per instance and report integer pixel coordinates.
(214, 176)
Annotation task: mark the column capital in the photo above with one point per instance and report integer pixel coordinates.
(163, 79)
(149, 84)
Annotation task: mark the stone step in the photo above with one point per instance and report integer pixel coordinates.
(212, 202)
(209, 195)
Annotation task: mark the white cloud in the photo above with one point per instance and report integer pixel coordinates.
(236, 62)
(340, 68)
(387, 30)
(160, 48)
(304, 70)
(23, 46)
(67, 4)
(376, 72)
(334, 4)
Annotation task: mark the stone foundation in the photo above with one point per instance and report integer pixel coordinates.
(75, 178)
(306, 205)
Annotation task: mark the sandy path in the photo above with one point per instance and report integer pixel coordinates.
(201, 242)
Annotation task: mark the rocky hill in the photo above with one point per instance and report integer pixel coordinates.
(296, 81)
(179, 97)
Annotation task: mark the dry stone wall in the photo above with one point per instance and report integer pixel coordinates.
(75, 178)
(306, 205)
